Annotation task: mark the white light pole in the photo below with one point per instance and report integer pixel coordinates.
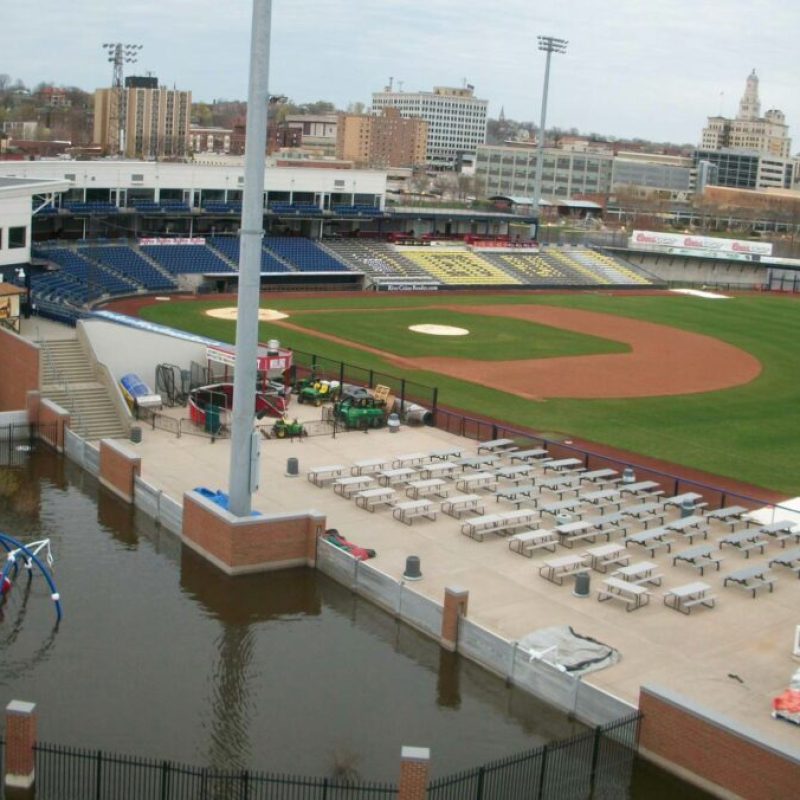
(549, 45)
(243, 477)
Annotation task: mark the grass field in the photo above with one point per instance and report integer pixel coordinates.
(749, 433)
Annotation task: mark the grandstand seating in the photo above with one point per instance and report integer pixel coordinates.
(125, 261)
(181, 259)
(95, 276)
(92, 207)
(295, 209)
(61, 288)
(303, 254)
(375, 259)
(357, 211)
(460, 268)
(598, 269)
(228, 246)
(220, 207)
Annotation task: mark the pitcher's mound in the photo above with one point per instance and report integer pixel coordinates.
(439, 330)
(264, 314)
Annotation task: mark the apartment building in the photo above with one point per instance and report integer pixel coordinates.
(456, 119)
(386, 140)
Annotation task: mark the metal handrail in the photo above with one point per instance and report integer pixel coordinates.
(61, 381)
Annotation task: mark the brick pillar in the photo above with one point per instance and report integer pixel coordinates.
(32, 402)
(20, 739)
(455, 606)
(118, 469)
(414, 766)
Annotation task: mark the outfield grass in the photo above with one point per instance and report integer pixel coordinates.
(749, 433)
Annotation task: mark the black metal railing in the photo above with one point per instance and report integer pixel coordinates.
(70, 773)
(18, 441)
(595, 764)
(457, 423)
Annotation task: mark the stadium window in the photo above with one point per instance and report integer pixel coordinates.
(16, 237)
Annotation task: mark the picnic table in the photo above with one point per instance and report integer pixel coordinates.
(556, 569)
(564, 464)
(680, 499)
(572, 506)
(571, 532)
(461, 503)
(439, 469)
(790, 559)
(610, 523)
(526, 542)
(528, 455)
(418, 489)
(689, 527)
(745, 540)
(445, 455)
(640, 572)
(368, 466)
(780, 531)
(607, 555)
(319, 476)
(603, 497)
(515, 474)
(752, 578)
(561, 485)
(601, 476)
(640, 487)
(685, 598)
(409, 460)
(730, 515)
(645, 513)
(346, 487)
(476, 462)
(391, 477)
(517, 494)
(497, 446)
(651, 540)
(478, 527)
(632, 594)
(477, 480)
(410, 510)
(699, 557)
(370, 499)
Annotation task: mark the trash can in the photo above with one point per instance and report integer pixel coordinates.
(628, 475)
(292, 468)
(136, 434)
(393, 423)
(687, 508)
(412, 572)
(212, 419)
(582, 582)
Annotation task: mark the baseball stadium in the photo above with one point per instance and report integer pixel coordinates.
(573, 464)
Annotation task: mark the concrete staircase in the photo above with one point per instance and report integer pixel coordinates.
(67, 378)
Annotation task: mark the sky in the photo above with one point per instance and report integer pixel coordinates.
(653, 69)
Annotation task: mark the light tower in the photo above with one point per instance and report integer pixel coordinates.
(550, 45)
(119, 54)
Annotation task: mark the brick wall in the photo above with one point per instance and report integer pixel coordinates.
(19, 366)
(52, 420)
(714, 751)
(20, 738)
(244, 545)
(414, 767)
(118, 469)
(455, 607)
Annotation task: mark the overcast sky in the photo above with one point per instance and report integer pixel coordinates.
(649, 68)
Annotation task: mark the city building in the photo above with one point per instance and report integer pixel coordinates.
(386, 140)
(456, 119)
(210, 140)
(650, 174)
(317, 131)
(749, 131)
(741, 169)
(510, 169)
(154, 120)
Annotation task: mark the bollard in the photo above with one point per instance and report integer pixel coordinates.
(412, 572)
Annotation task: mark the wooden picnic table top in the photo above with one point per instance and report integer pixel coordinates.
(443, 455)
(428, 483)
(397, 472)
(602, 494)
(524, 489)
(654, 534)
(624, 587)
(692, 553)
(368, 463)
(678, 499)
(680, 524)
(637, 570)
(740, 537)
(568, 528)
(405, 459)
(477, 477)
(641, 509)
(561, 505)
(563, 463)
(496, 444)
(639, 486)
(477, 461)
(564, 481)
(693, 589)
(329, 469)
(563, 562)
(781, 526)
(728, 511)
(748, 573)
(524, 455)
(596, 475)
(787, 558)
(604, 550)
(378, 491)
(465, 500)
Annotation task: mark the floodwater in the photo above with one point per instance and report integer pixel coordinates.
(161, 655)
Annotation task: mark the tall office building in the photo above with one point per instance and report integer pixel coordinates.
(456, 119)
(389, 140)
(750, 131)
(154, 120)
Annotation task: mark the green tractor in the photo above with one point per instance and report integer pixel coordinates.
(316, 391)
(288, 429)
(360, 412)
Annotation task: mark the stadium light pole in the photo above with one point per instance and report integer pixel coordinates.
(243, 476)
(550, 45)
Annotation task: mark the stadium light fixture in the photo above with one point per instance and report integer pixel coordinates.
(549, 45)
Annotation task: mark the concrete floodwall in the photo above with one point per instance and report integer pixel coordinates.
(85, 455)
(157, 505)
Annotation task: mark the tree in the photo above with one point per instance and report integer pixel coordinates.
(356, 108)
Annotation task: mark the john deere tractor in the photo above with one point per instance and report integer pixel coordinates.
(360, 411)
(288, 429)
(315, 390)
